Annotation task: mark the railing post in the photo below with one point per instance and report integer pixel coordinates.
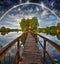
(19, 59)
(18, 51)
(44, 57)
(9, 58)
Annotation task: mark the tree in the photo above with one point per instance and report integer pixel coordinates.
(26, 23)
(33, 23)
(3, 29)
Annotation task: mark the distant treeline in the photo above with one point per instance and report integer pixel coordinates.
(49, 30)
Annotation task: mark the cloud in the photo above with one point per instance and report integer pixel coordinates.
(19, 9)
(44, 14)
(12, 19)
(31, 10)
(37, 9)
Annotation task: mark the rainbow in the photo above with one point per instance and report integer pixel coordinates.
(30, 3)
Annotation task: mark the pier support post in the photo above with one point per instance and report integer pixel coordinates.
(44, 57)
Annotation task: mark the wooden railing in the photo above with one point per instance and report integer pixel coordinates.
(8, 47)
(5, 49)
(46, 40)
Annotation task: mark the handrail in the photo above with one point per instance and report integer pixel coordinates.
(44, 47)
(45, 51)
(5, 49)
(51, 42)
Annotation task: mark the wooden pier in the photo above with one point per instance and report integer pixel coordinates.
(31, 54)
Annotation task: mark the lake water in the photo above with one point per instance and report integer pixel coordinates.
(55, 54)
(5, 39)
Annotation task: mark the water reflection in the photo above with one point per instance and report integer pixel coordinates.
(52, 34)
(53, 52)
(4, 33)
(58, 37)
(6, 37)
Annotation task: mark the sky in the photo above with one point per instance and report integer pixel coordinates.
(12, 18)
(7, 4)
(44, 16)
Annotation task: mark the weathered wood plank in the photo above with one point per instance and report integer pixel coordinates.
(31, 54)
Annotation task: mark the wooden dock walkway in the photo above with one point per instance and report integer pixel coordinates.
(31, 53)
